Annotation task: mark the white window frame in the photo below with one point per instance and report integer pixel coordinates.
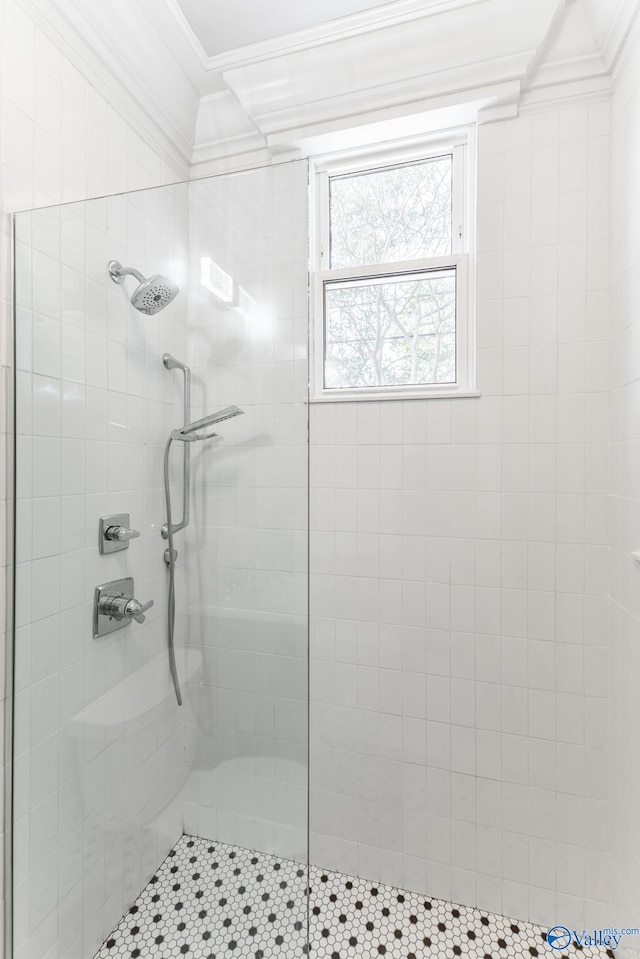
(460, 146)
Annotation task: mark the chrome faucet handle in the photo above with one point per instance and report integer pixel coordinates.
(136, 610)
(114, 533)
(115, 606)
(120, 534)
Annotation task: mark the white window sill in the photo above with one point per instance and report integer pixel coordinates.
(368, 396)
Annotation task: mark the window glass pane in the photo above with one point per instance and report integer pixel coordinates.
(391, 331)
(384, 216)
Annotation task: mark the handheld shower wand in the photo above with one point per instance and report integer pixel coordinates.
(189, 433)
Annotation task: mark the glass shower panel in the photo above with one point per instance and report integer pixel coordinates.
(109, 772)
(247, 548)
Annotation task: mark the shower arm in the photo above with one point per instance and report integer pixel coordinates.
(118, 272)
(186, 453)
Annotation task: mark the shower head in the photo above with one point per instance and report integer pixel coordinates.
(152, 295)
(191, 432)
(212, 418)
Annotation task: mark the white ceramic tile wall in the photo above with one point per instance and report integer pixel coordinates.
(247, 545)
(458, 557)
(624, 525)
(99, 740)
(60, 140)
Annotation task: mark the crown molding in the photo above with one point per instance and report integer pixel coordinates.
(568, 70)
(437, 117)
(497, 111)
(197, 50)
(619, 30)
(135, 85)
(354, 25)
(408, 62)
(564, 95)
(394, 101)
(215, 165)
(233, 146)
(625, 72)
(347, 79)
(221, 117)
(423, 60)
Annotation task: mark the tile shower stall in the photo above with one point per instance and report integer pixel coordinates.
(109, 771)
(392, 623)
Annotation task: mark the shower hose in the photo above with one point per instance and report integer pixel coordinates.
(171, 563)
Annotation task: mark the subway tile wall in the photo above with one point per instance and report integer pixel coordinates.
(459, 569)
(62, 140)
(624, 521)
(99, 741)
(247, 544)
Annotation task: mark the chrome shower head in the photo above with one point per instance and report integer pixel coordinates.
(191, 432)
(212, 418)
(152, 295)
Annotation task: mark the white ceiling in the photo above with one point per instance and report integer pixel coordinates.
(221, 26)
(243, 80)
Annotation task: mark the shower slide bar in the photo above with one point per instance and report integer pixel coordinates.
(188, 434)
(169, 528)
(171, 363)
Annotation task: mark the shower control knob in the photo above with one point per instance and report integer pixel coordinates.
(120, 534)
(115, 606)
(114, 533)
(136, 610)
(123, 608)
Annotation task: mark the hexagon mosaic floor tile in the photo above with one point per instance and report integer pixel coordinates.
(209, 900)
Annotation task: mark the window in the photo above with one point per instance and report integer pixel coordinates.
(391, 282)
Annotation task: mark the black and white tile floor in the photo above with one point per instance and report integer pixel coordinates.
(214, 901)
